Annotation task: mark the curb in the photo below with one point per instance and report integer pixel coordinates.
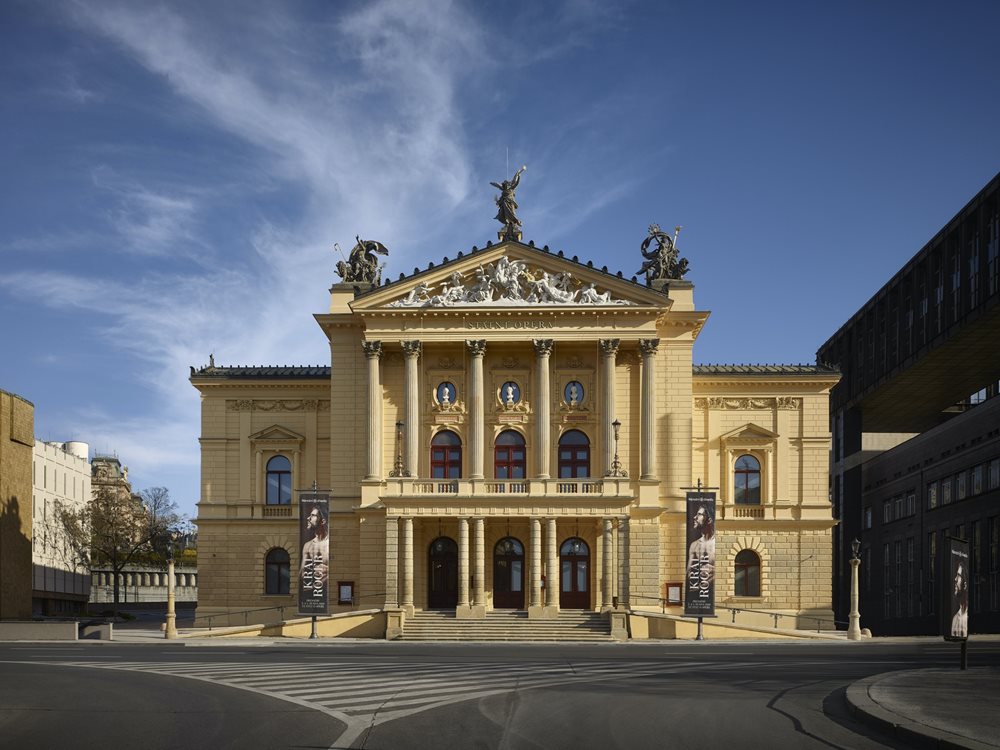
(864, 708)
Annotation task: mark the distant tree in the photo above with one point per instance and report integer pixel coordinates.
(116, 527)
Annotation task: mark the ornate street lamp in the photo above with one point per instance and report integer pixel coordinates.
(854, 626)
(397, 467)
(170, 629)
(616, 469)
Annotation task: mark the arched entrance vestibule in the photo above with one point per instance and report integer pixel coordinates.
(442, 574)
(574, 574)
(508, 574)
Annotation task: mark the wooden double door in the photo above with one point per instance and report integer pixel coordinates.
(574, 574)
(508, 574)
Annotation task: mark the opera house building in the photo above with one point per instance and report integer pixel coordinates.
(514, 429)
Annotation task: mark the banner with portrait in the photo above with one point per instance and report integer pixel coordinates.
(314, 564)
(699, 577)
(955, 590)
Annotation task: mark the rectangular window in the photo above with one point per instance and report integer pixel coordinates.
(976, 566)
(993, 255)
(994, 563)
(946, 490)
(886, 511)
(898, 501)
(977, 480)
(974, 271)
(910, 577)
(994, 473)
(897, 585)
(911, 504)
(886, 578)
(956, 285)
(931, 567)
(932, 495)
(345, 592)
(960, 485)
(867, 517)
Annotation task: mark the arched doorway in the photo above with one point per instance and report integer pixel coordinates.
(442, 574)
(574, 574)
(508, 574)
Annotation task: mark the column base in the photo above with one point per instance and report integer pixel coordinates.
(470, 612)
(543, 613)
(408, 609)
(394, 621)
(619, 624)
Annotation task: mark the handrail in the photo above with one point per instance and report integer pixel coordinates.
(281, 609)
(737, 610)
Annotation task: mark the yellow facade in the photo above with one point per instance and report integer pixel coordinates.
(601, 350)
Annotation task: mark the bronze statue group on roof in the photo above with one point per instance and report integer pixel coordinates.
(662, 261)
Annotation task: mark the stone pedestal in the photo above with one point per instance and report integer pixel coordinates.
(470, 612)
(619, 624)
(394, 621)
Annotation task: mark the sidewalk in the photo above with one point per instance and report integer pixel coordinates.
(938, 708)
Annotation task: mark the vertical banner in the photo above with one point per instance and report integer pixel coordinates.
(314, 536)
(699, 579)
(955, 590)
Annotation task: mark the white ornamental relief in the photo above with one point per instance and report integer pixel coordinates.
(507, 283)
(716, 402)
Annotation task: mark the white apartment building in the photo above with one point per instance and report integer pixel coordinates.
(60, 478)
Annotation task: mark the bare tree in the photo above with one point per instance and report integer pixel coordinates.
(115, 527)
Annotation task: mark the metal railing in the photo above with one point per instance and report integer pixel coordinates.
(355, 604)
(733, 611)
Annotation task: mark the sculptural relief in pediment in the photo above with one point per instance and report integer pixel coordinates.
(507, 282)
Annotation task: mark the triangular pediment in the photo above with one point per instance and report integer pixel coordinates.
(511, 275)
(749, 434)
(276, 434)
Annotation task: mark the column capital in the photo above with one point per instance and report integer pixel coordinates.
(411, 348)
(543, 347)
(476, 347)
(648, 346)
(609, 347)
(373, 349)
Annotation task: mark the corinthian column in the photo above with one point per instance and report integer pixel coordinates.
(609, 349)
(647, 460)
(411, 451)
(477, 348)
(373, 350)
(543, 409)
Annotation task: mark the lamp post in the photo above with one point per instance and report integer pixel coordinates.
(854, 627)
(170, 631)
(616, 469)
(397, 467)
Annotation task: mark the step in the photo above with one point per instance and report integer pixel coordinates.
(506, 625)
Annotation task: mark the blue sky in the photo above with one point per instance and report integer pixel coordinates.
(175, 174)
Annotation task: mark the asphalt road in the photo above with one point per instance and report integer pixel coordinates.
(382, 695)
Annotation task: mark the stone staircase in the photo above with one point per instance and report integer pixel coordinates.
(508, 625)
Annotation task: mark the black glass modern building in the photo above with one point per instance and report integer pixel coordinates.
(916, 429)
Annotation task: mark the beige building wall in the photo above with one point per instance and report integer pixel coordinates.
(701, 420)
(17, 429)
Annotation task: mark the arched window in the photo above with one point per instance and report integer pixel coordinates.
(279, 481)
(747, 573)
(508, 455)
(276, 571)
(574, 455)
(446, 455)
(746, 481)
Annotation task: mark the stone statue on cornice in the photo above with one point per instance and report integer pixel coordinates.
(361, 266)
(507, 206)
(662, 261)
